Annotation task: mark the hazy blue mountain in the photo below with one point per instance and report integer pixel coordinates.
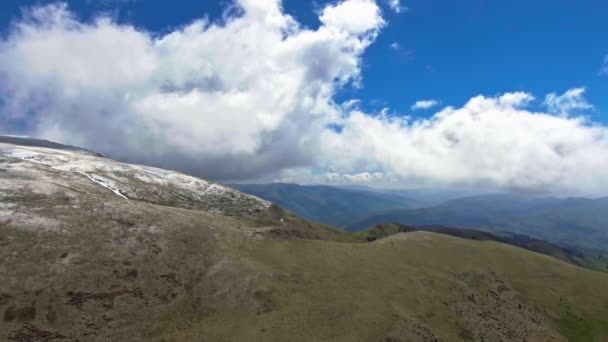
(330, 205)
(568, 221)
(429, 196)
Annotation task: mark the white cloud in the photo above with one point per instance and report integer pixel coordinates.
(572, 100)
(424, 104)
(254, 97)
(490, 141)
(395, 46)
(396, 6)
(352, 16)
(227, 100)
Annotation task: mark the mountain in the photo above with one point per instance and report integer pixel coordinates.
(571, 221)
(96, 250)
(329, 205)
(426, 196)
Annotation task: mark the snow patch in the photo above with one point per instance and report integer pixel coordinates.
(118, 177)
(106, 184)
(25, 155)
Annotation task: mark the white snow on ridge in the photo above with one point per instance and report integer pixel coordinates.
(24, 154)
(106, 184)
(118, 177)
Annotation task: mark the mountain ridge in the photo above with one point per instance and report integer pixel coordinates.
(579, 222)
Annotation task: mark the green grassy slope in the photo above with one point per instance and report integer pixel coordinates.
(591, 259)
(412, 286)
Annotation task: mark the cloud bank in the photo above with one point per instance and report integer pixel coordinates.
(490, 141)
(252, 96)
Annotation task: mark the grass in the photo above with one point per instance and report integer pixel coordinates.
(575, 327)
(327, 290)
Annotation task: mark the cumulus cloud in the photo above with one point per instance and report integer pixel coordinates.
(226, 100)
(572, 100)
(352, 16)
(424, 104)
(253, 97)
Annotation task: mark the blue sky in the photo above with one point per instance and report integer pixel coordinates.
(490, 47)
(448, 50)
(320, 92)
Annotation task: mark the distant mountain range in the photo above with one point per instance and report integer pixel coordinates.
(579, 222)
(576, 222)
(339, 207)
(428, 196)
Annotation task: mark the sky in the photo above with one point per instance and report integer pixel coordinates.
(484, 94)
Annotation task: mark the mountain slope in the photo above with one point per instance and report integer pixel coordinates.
(434, 287)
(329, 205)
(95, 250)
(578, 222)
